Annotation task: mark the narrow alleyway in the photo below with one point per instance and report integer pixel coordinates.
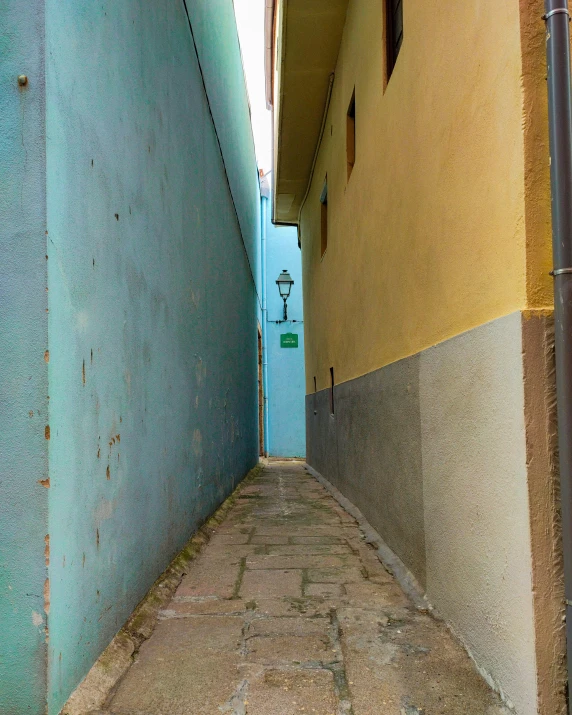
(288, 610)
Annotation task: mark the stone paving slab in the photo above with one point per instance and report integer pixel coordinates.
(283, 692)
(188, 667)
(296, 532)
(271, 583)
(288, 611)
(308, 550)
(214, 578)
(236, 552)
(304, 561)
(325, 590)
(335, 574)
(316, 540)
(203, 608)
(270, 540)
(294, 607)
(289, 626)
(235, 538)
(291, 650)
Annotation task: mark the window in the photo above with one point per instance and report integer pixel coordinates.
(315, 385)
(394, 32)
(324, 216)
(351, 134)
(332, 391)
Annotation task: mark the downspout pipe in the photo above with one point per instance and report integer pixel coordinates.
(265, 386)
(560, 126)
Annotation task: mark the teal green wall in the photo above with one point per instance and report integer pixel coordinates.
(23, 372)
(153, 257)
(214, 28)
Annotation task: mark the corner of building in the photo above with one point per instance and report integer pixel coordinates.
(24, 419)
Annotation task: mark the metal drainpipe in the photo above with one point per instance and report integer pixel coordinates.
(560, 125)
(264, 218)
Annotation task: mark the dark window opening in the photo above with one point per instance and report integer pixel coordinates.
(332, 406)
(315, 385)
(351, 134)
(324, 217)
(394, 32)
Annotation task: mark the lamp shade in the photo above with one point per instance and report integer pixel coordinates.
(285, 283)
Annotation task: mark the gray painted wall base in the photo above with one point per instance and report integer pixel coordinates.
(388, 558)
(403, 576)
(447, 455)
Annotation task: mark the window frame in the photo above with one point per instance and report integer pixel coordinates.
(351, 135)
(324, 218)
(393, 14)
(332, 385)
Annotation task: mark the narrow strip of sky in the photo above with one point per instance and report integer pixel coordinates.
(250, 23)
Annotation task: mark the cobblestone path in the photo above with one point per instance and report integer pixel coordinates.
(288, 610)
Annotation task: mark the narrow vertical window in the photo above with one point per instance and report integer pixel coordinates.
(315, 385)
(332, 406)
(351, 134)
(324, 217)
(394, 32)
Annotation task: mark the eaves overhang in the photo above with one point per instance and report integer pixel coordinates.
(307, 42)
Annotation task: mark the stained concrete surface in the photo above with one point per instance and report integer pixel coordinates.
(370, 449)
(450, 456)
(152, 350)
(313, 623)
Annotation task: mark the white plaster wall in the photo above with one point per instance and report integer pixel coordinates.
(476, 502)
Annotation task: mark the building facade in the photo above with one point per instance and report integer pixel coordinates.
(411, 144)
(284, 386)
(129, 296)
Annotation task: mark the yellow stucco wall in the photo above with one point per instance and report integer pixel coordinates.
(444, 223)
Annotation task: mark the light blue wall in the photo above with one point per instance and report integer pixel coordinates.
(285, 388)
(23, 371)
(152, 304)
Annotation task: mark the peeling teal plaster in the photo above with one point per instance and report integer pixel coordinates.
(152, 322)
(113, 171)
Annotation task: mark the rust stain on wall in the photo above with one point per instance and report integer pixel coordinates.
(45, 482)
(107, 472)
(47, 356)
(47, 596)
(83, 372)
(47, 432)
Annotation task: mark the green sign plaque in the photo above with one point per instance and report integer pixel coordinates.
(289, 340)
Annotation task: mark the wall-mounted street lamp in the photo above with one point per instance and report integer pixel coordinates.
(285, 284)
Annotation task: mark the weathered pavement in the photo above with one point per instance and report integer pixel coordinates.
(287, 610)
